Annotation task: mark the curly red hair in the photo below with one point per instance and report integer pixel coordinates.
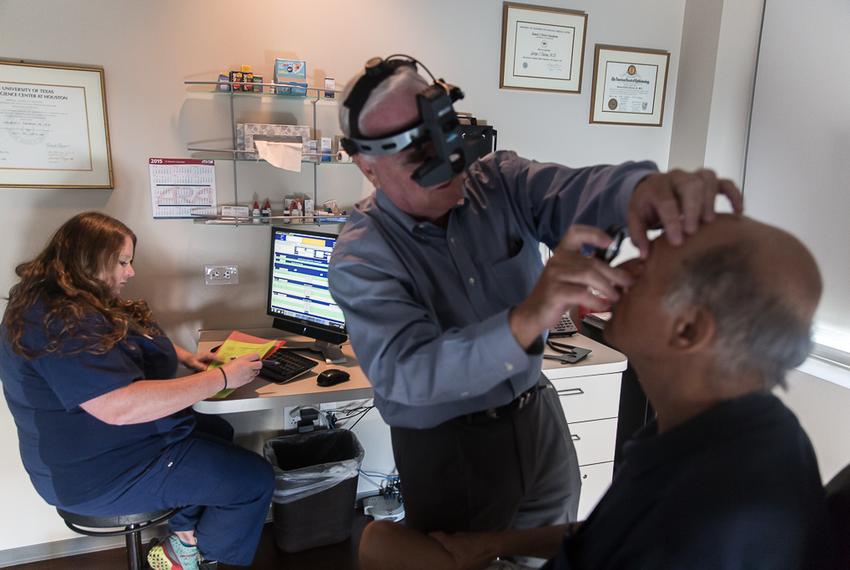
(64, 278)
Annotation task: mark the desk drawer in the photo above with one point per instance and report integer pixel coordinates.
(594, 440)
(595, 480)
(589, 397)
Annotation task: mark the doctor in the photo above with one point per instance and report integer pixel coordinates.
(448, 302)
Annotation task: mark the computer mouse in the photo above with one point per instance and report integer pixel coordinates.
(332, 377)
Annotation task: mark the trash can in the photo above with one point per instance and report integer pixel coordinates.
(316, 477)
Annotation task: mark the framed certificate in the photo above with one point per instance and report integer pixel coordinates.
(542, 48)
(53, 127)
(629, 85)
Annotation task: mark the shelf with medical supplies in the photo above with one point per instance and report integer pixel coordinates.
(589, 391)
(231, 154)
(264, 221)
(247, 139)
(259, 89)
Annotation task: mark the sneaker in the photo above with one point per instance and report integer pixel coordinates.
(171, 554)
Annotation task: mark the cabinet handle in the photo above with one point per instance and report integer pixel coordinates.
(571, 392)
(575, 436)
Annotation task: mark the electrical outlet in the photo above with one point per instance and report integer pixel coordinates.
(289, 421)
(221, 274)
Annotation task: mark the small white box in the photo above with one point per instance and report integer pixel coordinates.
(326, 148)
(235, 211)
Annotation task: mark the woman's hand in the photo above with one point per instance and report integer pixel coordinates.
(199, 361)
(242, 370)
(194, 361)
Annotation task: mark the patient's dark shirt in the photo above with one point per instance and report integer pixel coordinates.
(735, 487)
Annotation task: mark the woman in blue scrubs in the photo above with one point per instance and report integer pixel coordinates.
(104, 426)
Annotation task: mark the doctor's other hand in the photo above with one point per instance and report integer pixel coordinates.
(569, 279)
(677, 201)
(242, 370)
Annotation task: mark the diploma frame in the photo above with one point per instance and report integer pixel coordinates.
(54, 129)
(542, 48)
(616, 66)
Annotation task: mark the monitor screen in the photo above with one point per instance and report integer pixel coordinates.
(299, 296)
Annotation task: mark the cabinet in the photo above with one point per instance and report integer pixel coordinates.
(313, 101)
(590, 398)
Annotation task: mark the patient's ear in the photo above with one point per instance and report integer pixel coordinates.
(366, 168)
(693, 329)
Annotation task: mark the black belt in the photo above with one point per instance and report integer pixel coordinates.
(508, 409)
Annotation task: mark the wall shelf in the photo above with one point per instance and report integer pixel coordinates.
(315, 96)
(215, 87)
(266, 221)
(307, 158)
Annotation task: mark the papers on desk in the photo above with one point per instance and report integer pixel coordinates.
(597, 320)
(239, 344)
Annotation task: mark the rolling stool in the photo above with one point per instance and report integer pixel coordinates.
(132, 531)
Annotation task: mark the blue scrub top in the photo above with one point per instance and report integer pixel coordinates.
(70, 455)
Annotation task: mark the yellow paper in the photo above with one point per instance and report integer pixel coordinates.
(231, 349)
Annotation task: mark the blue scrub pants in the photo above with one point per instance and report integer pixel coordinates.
(224, 491)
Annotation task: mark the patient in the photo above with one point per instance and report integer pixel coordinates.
(724, 477)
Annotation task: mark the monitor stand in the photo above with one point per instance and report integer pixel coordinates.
(331, 353)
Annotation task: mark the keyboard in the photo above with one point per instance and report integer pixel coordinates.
(564, 327)
(285, 365)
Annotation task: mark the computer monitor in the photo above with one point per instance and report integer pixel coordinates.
(299, 297)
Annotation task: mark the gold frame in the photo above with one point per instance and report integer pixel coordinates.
(100, 175)
(632, 56)
(543, 84)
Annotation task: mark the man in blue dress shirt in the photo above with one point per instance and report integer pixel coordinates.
(447, 303)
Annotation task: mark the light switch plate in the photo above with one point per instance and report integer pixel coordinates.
(221, 274)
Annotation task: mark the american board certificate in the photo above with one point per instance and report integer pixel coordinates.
(629, 85)
(630, 88)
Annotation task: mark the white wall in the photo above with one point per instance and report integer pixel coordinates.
(149, 48)
(821, 407)
(798, 172)
(712, 109)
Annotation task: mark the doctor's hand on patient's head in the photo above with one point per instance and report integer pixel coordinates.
(569, 279)
(242, 370)
(677, 201)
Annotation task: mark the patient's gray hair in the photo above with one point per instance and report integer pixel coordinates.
(757, 329)
(404, 77)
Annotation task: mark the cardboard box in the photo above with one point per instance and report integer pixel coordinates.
(291, 75)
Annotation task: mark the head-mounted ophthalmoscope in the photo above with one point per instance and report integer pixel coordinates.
(438, 129)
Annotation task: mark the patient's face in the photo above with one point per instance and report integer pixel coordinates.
(639, 317)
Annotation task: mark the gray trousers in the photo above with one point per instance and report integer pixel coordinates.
(476, 473)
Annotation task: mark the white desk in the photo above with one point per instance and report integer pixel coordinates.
(590, 395)
(589, 392)
(262, 395)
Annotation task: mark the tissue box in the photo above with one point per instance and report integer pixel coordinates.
(292, 73)
(247, 133)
